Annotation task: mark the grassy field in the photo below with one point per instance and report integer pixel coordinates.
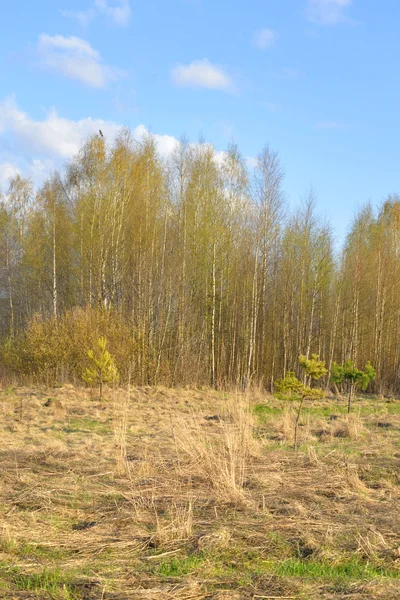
(190, 494)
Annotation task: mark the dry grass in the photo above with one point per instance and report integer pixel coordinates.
(351, 427)
(220, 455)
(189, 494)
(177, 527)
(120, 423)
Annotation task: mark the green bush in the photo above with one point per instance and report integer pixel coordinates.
(51, 352)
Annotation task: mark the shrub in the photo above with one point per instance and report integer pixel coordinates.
(39, 352)
(52, 351)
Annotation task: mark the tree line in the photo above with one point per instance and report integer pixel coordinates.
(196, 258)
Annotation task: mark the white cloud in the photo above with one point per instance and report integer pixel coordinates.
(38, 169)
(330, 125)
(119, 13)
(165, 143)
(219, 157)
(40, 146)
(265, 38)
(327, 12)
(71, 44)
(7, 170)
(252, 162)
(54, 136)
(75, 58)
(83, 16)
(202, 74)
(35, 169)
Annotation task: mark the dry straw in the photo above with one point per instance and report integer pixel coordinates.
(220, 452)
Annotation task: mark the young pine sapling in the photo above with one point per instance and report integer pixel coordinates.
(291, 387)
(353, 377)
(102, 367)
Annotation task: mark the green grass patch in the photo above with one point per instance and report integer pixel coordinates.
(362, 406)
(25, 549)
(10, 390)
(266, 410)
(85, 425)
(347, 569)
(245, 567)
(178, 567)
(55, 582)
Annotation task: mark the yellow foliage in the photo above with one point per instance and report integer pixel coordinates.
(50, 351)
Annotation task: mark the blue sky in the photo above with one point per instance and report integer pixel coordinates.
(319, 80)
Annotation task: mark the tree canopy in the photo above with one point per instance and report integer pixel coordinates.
(216, 280)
